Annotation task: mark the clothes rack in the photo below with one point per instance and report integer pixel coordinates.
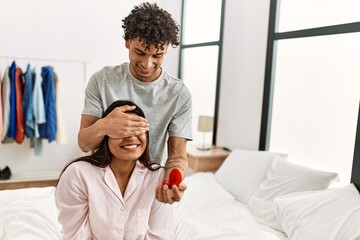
(83, 62)
(30, 169)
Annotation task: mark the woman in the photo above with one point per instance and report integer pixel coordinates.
(111, 193)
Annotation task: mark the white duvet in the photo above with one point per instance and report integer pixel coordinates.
(208, 212)
(28, 213)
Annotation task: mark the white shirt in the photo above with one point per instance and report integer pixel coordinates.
(6, 104)
(91, 205)
(1, 121)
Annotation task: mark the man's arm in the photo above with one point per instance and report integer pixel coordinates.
(88, 136)
(177, 158)
(117, 124)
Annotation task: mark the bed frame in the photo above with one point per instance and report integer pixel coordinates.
(9, 185)
(355, 173)
(36, 179)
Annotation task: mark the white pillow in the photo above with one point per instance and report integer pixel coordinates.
(284, 177)
(243, 171)
(330, 214)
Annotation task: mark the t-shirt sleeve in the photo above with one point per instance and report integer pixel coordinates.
(92, 102)
(181, 124)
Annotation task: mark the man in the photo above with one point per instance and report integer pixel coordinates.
(166, 101)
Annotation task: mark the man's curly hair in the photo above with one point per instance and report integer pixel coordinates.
(152, 25)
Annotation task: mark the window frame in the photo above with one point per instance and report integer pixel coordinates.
(218, 43)
(273, 37)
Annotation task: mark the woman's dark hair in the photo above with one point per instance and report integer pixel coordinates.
(102, 156)
(152, 25)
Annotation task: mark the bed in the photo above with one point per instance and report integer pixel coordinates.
(254, 195)
(261, 195)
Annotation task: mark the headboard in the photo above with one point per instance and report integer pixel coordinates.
(355, 173)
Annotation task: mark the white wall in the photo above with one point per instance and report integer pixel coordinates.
(91, 31)
(242, 73)
(73, 30)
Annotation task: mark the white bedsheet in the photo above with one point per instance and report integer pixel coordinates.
(28, 213)
(208, 212)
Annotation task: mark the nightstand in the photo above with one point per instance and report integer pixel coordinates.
(206, 161)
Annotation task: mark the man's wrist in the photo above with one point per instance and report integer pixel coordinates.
(174, 165)
(177, 158)
(100, 128)
(176, 162)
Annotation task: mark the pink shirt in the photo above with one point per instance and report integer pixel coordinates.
(91, 205)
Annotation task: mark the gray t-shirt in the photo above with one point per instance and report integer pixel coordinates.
(166, 103)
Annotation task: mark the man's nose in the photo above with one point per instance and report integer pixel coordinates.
(146, 63)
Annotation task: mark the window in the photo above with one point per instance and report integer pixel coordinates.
(312, 92)
(200, 58)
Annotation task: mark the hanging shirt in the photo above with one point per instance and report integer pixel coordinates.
(28, 103)
(20, 132)
(61, 137)
(48, 129)
(38, 99)
(12, 122)
(1, 113)
(39, 112)
(6, 106)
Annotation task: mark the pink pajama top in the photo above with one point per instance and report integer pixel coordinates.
(91, 205)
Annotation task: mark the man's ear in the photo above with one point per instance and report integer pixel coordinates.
(166, 47)
(127, 43)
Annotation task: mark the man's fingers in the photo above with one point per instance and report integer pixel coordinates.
(165, 194)
(141, 129)
(177, 193)
(138, 119)
(137, 123)
(134, 119)
(159, 193)
(168, 195)
(126, 108)
(182, 187)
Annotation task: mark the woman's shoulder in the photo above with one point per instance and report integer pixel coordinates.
(81, 171)
(81, 167)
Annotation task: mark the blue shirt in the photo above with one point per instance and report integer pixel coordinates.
(48, 129)
(12, 122)
(28, 103)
